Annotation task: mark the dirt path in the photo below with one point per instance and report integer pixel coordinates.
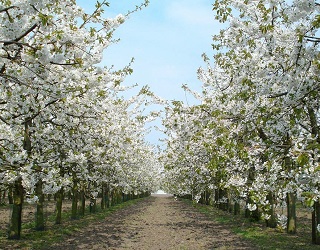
(157, 223)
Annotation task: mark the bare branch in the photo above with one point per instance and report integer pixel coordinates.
(18, 43)
(305, 127)
(8, 8)
(20, 37)
(312, 39)
(3, 69)
(81, 116)
(64, 64)
(278, 95)
(4, 121)
(12, 78)
(45, 106)
(262, 134)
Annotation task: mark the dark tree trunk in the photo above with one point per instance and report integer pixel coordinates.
(315, 223)
(236, 208)
(83, 203)
(103, 197)
(2, 197)
(74, 206)
(40, 224)
(272, 221)
(108, 197)
(59, 198)
(316, 207)
(93, 205)
(16, 217)
(216, 197)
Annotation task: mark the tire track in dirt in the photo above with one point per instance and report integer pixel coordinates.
(156, 223)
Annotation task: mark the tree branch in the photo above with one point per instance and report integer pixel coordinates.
(95, 11)
(3, 69)
(262, 135)
(312, 39)
(18, 43)
(64, 64)
(20, 37)
(305, 127)
(4, 121)
(278, 95)
(8, 8)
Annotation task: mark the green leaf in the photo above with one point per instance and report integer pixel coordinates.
(316, 22)
(303, 160)
(45, 19)
(310, 202)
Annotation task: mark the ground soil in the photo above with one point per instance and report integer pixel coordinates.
(28, 213)
(159, 222)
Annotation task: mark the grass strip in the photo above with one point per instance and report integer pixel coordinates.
(256, 232)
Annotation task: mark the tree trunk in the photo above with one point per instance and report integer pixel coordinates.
(315, 223)
(27, 140)
(272, 221)
(59, 198)
(236, 208)
(83, 203)
(74, 206)
(119, 197)
(208, 194)
(291, 198)
(2, 197)
(216, 197)
(112, 199)
(316, 207)
(93, 205)
(40, 204)
(10, 196)
(291, 210)
(223, 195)
(16, 217)
(103, 197)
(253, 215)
(108, 197)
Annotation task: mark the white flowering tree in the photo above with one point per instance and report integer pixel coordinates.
(186, 157)
(55, 103)
(271, 68)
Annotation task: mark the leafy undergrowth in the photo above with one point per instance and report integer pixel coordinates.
(258, 234)
(32, 239)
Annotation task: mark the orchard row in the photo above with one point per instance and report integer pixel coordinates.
(63, 125)
(254, 141)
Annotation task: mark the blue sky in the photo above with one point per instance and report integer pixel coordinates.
(166, 39)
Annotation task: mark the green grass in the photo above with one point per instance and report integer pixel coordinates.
(257, 233)
(32, 239)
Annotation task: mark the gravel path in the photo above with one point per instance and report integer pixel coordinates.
(157, 223)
